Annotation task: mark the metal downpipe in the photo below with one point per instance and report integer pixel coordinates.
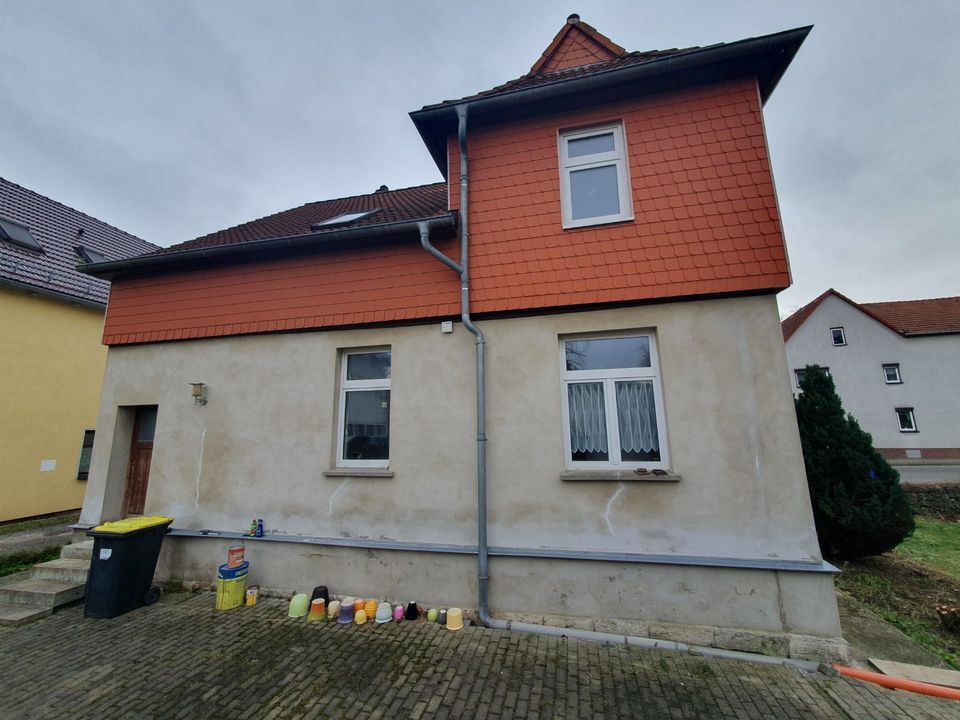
(463, 269)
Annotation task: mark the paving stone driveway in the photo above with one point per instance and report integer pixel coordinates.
(182, 659)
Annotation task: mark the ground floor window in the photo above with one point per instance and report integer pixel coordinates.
(613, 410)
(86, 450)
(364, 420)
(908, 423)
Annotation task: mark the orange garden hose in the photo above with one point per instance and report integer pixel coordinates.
(895, 683)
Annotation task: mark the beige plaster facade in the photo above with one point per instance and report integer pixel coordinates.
(262, 445)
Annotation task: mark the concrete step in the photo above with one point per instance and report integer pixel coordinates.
(82, 550)
(70, 569)
(41, 593)
(20, 614)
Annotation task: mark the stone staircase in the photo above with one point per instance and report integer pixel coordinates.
(50, 585)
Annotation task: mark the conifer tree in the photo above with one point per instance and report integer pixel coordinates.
(858, 505)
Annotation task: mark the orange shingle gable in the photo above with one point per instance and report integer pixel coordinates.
(576, 44)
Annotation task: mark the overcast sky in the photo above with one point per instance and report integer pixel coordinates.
(174, 119)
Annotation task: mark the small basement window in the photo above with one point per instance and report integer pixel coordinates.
(891, 373)
(343, 219)
(839, 338)
(908, 423)
(18, 234)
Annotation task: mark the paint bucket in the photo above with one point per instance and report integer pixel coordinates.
(318, 610)
(370, 607)
(333, 610)
(412, 612)
(384, 614)
(252, 593)
(360, 617)
(432, 614)
(299, 605)
(346, 613)
(398, 613)
(235, 556)
(442, 618)
(320, 591)
(454, 619)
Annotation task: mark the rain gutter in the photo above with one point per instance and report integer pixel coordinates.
(66, 297)
(113, 268)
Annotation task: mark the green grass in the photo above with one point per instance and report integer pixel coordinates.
(67, 519)
(936, 544)
(21, 561)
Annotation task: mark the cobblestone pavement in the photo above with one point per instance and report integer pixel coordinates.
(182, 659)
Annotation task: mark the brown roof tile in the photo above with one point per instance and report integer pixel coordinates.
(413, 203)
(55, 226)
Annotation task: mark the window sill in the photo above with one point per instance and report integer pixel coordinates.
(615, 475)
(358, 473)
(592, 222)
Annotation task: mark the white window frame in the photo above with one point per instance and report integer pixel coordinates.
(798, 373)
(843, 336)
(913, 419)
(895, 367)
(354, 385)
(617, 158)
(609, 379)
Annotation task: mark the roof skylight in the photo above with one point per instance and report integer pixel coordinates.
(343, 219)
(18, 234)
(88, 255)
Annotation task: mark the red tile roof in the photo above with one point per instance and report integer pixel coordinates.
(55, 226)
(413, 203)
(918, 317)
(936, 316)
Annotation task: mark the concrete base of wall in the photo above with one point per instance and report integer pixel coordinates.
(786, 614)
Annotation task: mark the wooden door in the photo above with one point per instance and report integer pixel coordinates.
(141, 450)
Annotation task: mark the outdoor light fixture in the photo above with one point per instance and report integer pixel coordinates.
(199, 392)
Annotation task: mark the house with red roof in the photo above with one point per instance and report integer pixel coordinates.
(892, 364)
(551, 385)
(52, 361)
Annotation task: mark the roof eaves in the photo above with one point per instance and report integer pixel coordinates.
(154, 261)
(434, 122)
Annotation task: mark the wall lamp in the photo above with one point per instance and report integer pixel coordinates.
(199, 392)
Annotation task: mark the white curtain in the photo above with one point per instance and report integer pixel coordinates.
(637, 417)
(588, 425)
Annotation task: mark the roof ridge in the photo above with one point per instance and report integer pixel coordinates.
(79, 212)
(575, 23)
(375, 192)
(918, 300)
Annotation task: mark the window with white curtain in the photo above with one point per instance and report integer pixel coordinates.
(613, 409)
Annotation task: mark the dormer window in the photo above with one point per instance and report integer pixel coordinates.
(14, 232)
(343, 219)
(594, 182)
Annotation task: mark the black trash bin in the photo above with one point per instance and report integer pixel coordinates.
(124, 559)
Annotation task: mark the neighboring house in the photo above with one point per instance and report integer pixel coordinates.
(626, 367)
(894, 365)
(52, 360)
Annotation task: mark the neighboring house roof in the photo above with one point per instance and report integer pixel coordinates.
(936, 316)
(390, 206)
(60, 231)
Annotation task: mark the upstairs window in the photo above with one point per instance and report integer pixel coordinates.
(799, 374)
(891, 373)
(594, 182)
(838, 336)
(906, 420)
(89, 255)
(14, 232)
(613, 409)
(364, 424)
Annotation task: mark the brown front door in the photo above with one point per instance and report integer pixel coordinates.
(141, 450)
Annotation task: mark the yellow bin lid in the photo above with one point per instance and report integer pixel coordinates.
(130, 525)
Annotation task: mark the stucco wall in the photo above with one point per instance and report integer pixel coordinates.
(927, 368)
(261, 445)
(51, 366)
